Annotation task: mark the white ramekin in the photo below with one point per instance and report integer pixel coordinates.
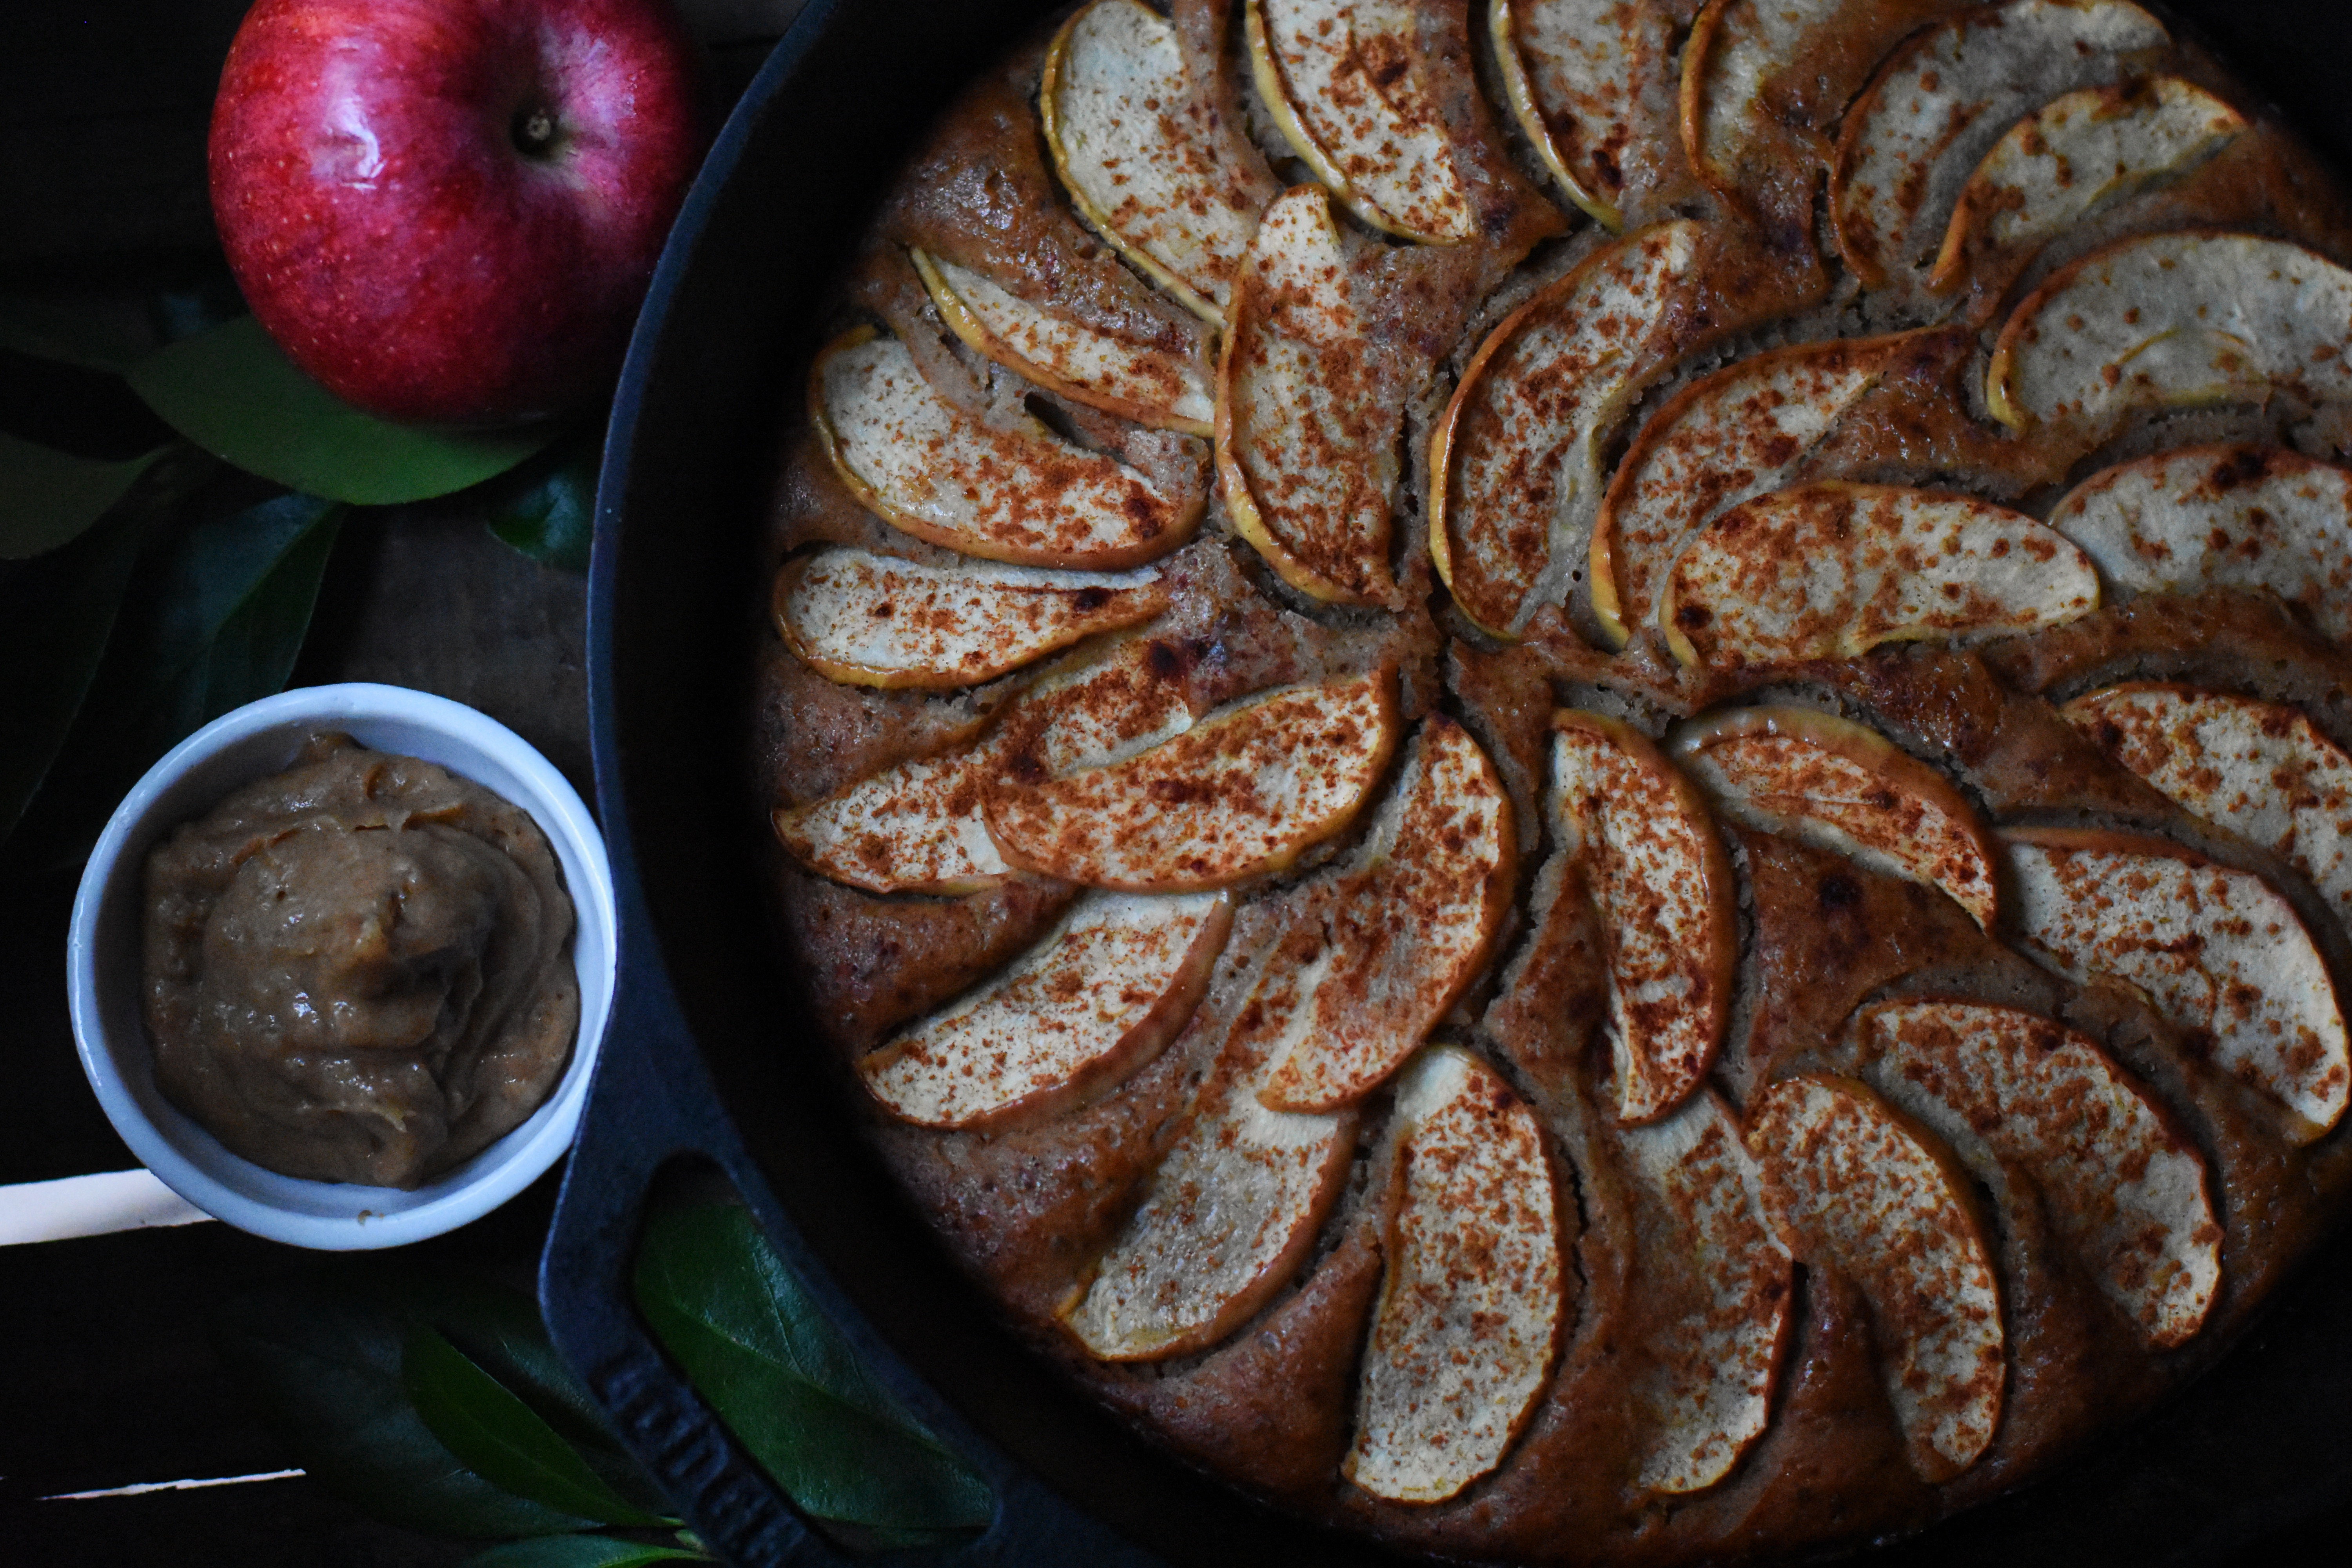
(102, 962)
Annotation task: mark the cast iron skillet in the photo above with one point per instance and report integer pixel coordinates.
(706, 1065)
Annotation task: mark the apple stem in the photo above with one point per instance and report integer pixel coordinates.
(534, 130)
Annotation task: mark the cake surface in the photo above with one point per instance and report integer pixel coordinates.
(1568, 774)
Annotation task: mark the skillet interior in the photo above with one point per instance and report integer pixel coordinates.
(2257, 1449)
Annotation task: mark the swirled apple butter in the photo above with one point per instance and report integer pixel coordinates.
(358, 969)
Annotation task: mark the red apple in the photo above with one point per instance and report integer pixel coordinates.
(447, 211)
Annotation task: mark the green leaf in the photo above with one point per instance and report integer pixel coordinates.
(220, 569)
(97, 331)
(252, 649)
(234, 393)
(75, 409)
(499, 1437)
(321, 1358)
(214, 620)
(51, 498)
(55, 617)
(553, 519)
(578, 1551)
(195, 304)
(500, 1330)
(787, 1386)
(219, 624)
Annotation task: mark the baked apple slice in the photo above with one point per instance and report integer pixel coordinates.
(1409, 925)
(1943, 100)
(918, 826)
(1736, 50)
(2126, 1190)
(876, 620)
(1119, 699)
(1469, 1312)
(1852, 1183)
(1343, 82)
(2078, 154)
(1518, 466)
(2169, 321)
(1083, 363)
(1831, 570)
(2259, 769)
(1238, 795)
(1307, 439)
(1741, 432)
(1100, 995)
(1843, 787)
(1574, 73)
(1232, 1211)
(914, 827)
(2232, 516)
(1706, 1391)
(2213, 949)
(1139, 153)
(1019, 494)
(1662, 884)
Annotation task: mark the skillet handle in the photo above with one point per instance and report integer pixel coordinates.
(654, 1101)
(648, 1106)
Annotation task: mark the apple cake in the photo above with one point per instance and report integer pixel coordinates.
(1573, 778)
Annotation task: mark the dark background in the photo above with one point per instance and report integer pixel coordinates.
(106, 1377)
